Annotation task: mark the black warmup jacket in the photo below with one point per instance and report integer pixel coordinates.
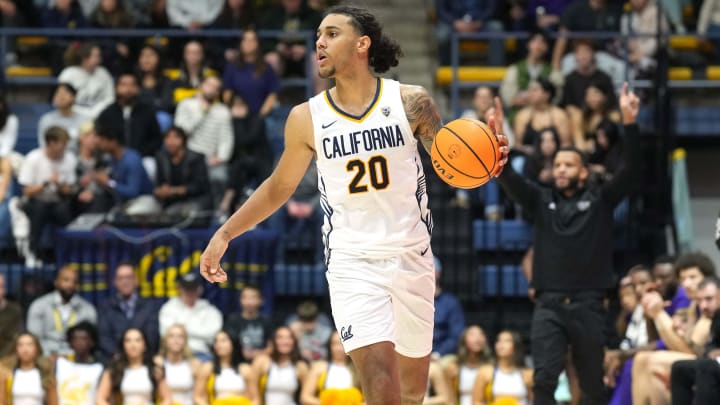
(572, 236)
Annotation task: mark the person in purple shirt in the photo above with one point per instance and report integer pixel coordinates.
(251, 77)
(666, 284)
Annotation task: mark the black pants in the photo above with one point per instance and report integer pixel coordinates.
(575, 320)
(43, 213)
(703, 375)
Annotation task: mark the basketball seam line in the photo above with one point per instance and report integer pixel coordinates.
(472, 151)
(489, 136)
(455, 168)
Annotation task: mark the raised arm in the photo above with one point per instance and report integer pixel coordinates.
(422, 113)
(271, 194)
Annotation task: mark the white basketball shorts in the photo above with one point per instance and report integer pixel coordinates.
(384, 300)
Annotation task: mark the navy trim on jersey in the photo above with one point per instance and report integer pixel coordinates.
(360, 117)
(419, 192)
(327, 212)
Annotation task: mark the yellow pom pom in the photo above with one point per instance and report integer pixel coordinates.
(341, 396)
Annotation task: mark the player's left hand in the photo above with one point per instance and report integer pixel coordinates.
(496, 122)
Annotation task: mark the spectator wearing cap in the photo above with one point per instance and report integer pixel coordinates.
(199, 317)
(64, 116)
(449, 318)
(125, 309)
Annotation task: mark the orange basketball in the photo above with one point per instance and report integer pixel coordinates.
(465, 153)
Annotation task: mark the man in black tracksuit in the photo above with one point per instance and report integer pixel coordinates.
(572, 265)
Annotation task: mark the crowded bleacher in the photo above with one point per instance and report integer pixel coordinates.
(131, 129)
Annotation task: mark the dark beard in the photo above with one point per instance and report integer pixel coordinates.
(573, 185)
(66, 294)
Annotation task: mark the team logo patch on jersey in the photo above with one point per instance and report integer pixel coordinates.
(346, 334)
(385, 111)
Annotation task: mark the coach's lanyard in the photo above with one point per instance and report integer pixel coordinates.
(59, 322)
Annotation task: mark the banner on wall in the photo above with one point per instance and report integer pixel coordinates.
(161, 256)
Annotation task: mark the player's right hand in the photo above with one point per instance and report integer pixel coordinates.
(210, 260)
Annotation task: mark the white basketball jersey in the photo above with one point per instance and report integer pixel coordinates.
(371, 180)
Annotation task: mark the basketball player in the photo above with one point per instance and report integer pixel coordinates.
(363, 134)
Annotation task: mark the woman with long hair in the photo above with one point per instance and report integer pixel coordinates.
(508, 381)
(539, 116)
(193, 69)
(27, 378)
(132, 378)
(472, 352)
(251, 77)
(181, 368)
(539, 163)
(227, 379)
(154, 86)
(94, 84)
(596, 109)
(337, 374)
(279, 376)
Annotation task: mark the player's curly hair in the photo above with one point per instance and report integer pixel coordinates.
(384, 52)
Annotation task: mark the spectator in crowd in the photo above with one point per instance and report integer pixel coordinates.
(514, 90)
(133, 376)
(709, 21)
(251, 77)
(449, 318)
(237, 15)
(586, 16)
(645, 20)
(572, 266)
(628, 301)
(249, 326)
(6, 193)
(683, 343)
(199, 317)
(116, 53)
(698, 381)
(540, 116)
(228, 377)
(63, 116)
(50, 315)
(287, 54)
(545, 14)
(586, 72)
(467, 16)
(48, 179)
(538, 166)
(10, 319)
(63, 14)
(87, 6)
(136, 118)
(182, 369)
(93, 82)
(158, 14)
(312, 335)
(335, 373)
(606, 158)
(482, 103)
(193, 71)
(8, 128)
(585, 119)
(77, 375)
(140, 11)
(155, 87)
(193, 15)
(301, 217)
(124, 310)
(28, 378)
(209, 127)
(461, 371)
(88, 160)
(122, 177)
(666, 283)
(251, 162)
(508, 379)
(182, 186)
(18, 13)
(283, 370)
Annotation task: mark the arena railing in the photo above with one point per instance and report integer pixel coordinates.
(92, 33)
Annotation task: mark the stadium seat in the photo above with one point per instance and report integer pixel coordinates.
(444, 74)
(513, 283)
(511, 235)
(300, 279)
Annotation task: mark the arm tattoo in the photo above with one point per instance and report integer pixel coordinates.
(422, 113)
